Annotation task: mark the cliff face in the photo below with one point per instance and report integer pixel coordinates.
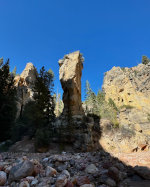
(24, 84)
(129, 86)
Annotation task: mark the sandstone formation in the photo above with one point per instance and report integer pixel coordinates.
(82, 132)
(70, 71)
(24, 84)
(129, 88)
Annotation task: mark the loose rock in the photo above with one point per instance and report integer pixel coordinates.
(3, 178)
(21, 170)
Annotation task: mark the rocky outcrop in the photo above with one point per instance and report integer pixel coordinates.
(70, 71)
(81, 133)
(129, 88)
(24, 84)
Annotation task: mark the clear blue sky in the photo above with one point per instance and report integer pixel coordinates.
(108, 33)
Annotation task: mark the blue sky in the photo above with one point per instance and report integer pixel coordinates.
(108, 33)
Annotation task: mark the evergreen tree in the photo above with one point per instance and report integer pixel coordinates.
(100, 97)
(90, 99)
(145, 60)
(14, 71)
(88, 91)
(58, 104)
(7, 100)
(38, 115)
(44, 95)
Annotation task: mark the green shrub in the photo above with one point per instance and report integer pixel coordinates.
(127, 106)
(123, 69)
(148, 117)
(111, 103)
(115, 123)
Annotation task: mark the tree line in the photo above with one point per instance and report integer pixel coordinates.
(38, 115)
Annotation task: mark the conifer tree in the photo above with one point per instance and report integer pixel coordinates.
(38, 115)
(90, 99)
(145, 60)
(7, 100)
(14, 71)
(58, 104)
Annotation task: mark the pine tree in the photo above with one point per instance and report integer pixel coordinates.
(7, 100)
(100, 97)
(58, 104)
(145, 60)
(44, 94)
(14, 71)
(88, 91)
(90, 99)
(38, 115)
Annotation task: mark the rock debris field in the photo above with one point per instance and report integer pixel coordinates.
(91, 169)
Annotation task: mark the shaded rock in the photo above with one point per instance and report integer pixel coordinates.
(1, 158)
(113, 172)
(69, 184)
(24, 184)
(82, 180)
(110, 182)
(65, 172)
(91, 169)
(143, 172)
(61, 181)
(87, 185)
(24, 145)
(3, 178)
(30, 178)
(50, 171)
(21, 170)
(34, 182)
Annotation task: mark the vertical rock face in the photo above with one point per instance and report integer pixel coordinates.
(70, 72)
(24, 84)
(129, 86)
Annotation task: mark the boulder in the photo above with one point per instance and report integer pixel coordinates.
(61, 181)
(21, 170)
(82, 180)
(50, 171)
(3, 178)
(24, 184)
(91, 169)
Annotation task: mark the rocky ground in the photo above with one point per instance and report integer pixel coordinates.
(96, 169)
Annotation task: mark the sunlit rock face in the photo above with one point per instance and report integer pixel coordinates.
(25, 83)
(129, 86)
(70, 72)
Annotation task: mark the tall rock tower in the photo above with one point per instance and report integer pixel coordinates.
(24, 84)
(70, 72)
